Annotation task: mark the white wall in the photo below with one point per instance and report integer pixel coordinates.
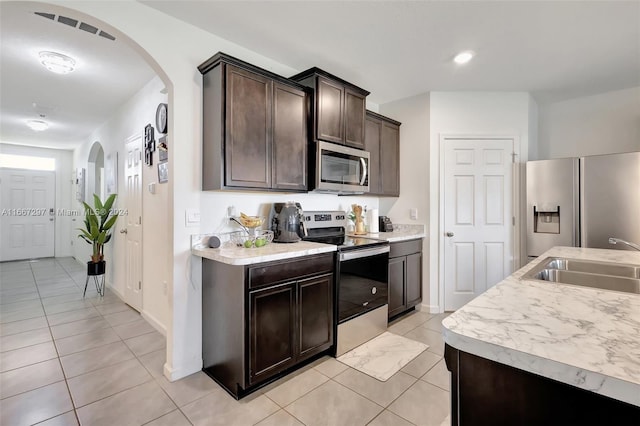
(474, 114)
(413, 113)
(157, 255)
(64, 234)
(606, 123)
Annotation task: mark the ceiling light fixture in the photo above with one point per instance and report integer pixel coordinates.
(57, 62)
(37, 125)
(463, 57)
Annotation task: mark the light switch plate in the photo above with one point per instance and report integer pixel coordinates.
(192, 217)
(413, 213)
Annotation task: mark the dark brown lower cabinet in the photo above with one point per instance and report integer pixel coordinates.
(315, 316)
(272, 346)
(405, 276)
(259, 321)
(485, 392)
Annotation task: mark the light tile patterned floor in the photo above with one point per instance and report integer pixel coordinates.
(65, 360)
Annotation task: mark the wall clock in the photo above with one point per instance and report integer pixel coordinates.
(161, 118)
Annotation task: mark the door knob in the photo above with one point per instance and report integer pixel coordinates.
(449, 234)
(123, 231)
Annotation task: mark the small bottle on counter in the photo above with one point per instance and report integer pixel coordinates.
(365, 220)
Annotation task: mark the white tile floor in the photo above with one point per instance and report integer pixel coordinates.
(65, 360)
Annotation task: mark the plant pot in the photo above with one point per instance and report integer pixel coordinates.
(96, 268)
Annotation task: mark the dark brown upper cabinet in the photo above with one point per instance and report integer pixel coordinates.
(382, 140)
(338, 108)
(255, 128)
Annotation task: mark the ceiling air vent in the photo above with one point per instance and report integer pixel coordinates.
(67, 21)
(46, 15)
(106, 35)
(74, 23)
(88, 28)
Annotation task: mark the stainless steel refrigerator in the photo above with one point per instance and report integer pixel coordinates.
(583, 202)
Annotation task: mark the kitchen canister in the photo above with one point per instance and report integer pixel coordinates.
(372, 220)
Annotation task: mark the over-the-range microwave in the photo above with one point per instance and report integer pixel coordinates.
(340, 169)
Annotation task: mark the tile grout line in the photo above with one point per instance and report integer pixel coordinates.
(56, 347)
(135, 356)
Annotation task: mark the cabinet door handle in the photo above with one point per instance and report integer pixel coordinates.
(449, 234)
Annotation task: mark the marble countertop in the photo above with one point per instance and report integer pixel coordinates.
(234, 255)
(581, 336)
(400, 233)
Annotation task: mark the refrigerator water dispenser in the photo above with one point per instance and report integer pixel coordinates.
(546, 221)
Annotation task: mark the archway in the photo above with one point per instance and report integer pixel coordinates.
(159, 309)
(95, 172)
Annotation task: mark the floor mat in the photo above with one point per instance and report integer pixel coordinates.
(383, 356)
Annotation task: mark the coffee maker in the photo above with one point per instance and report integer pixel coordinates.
(287, 222)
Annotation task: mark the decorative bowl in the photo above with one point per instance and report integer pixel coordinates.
(251, 221)
(260, 239)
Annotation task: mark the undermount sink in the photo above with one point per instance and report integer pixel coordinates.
(586, 273)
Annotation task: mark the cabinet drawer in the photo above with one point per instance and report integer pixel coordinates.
(405, 247)
(272, 273)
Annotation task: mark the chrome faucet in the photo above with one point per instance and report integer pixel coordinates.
(618, 240)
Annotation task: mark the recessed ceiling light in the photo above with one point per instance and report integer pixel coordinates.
(37, 125)
(463, 57)
(57, 62)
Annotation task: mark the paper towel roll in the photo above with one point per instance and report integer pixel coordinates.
(372, 220)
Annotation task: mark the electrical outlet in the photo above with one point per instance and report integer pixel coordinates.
(231, 211)
(413, 213)
(165, 288)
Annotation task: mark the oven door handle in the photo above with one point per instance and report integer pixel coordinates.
(358, 254)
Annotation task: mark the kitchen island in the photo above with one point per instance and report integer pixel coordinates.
(534, 352)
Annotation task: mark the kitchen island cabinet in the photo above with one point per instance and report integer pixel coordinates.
(338, 108)
(382, 140)
(534, 352)
(264, 319)
(255, 128)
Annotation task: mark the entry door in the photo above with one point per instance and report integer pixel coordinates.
(27, 224)
(133, 230)
(478, 240)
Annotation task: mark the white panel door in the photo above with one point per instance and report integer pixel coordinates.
(133, 229)
(478, 240)
(27, 224)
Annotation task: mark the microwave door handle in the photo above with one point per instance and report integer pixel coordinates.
(364, 171)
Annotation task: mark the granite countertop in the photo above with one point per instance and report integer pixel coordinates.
(400, 233)
(585, 337)
(234, 255)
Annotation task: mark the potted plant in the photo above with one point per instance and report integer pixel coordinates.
(97, 231)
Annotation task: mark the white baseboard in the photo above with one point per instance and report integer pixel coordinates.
(154, 322)
(147, 316)
(115, 290)
(432, 309)
(173, 375)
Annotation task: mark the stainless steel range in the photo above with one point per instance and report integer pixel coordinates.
(362, 278)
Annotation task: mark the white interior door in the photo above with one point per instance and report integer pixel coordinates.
(133, 228)
(27, 223)
(477, 217)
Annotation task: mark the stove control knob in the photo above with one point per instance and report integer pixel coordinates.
(374, 290)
